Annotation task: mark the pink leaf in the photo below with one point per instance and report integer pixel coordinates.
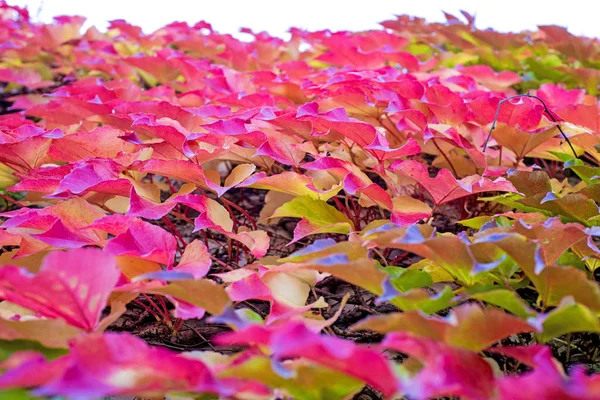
(380, 148)
(145, 241)
(60, 236)
(140, 207)
(554, 96)
(86, 175)
(195, 260)
(72, 285)
(448, 371)
(250, 287)
(19, 366)
(547, 380)
(294, 340)
(444, 187)
(120, 364)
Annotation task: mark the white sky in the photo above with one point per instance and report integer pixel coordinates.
(228, 16)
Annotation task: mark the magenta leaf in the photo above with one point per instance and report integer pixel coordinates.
(294, 340)
(145, 241)
(120, 364)
(72, 285)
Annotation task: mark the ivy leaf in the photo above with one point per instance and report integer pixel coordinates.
(408, 211)
(294, 340)
(521, 142)
(568, 317)
(422, 300)
(316, 217)
(308, 381)
(444, 187)
(290, 183)
(191, 297)
(36, 331)
(447, 371)
(468, 326)
(62, 289)
(505, 299)
(344, 260)
(411, 279)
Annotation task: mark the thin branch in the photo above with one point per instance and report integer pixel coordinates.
(201, 336)
(546, 110)
(240, 209)
(445, 157)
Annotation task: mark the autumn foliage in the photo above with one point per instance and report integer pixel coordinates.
(184, 213)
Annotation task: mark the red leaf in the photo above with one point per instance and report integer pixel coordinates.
(102, 142)
(444, 187)
(447, 106)
(337, 120)
(184, 170)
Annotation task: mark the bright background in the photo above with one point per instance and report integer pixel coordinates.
(276, 17)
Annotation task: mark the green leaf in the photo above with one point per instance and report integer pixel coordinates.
(317, 217)
(420, 299)
(564, 157)
(585, 172)
(511, 200)
(570, 259)
(545, 69)
(435, 271)
(411, 279)
(477, 222)
(202, 293)
(569, 317)
(16, 394)
(552, 282)
(316, 211)
(392, 270)
(556, 283)
(309, 381)
(9, 347)
(573, 206)
(505, 299)
(250, 316)
(344, 260)
(149, 79)
(469, 326)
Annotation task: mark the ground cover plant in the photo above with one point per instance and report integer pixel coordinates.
(410, 212)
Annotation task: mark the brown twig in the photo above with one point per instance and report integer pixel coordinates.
(445, 157)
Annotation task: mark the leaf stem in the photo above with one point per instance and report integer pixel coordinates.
(445, 157)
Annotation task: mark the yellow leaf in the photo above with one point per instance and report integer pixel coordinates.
(54, 333)
(132, 266)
